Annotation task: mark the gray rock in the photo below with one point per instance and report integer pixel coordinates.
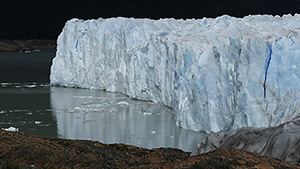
(281, 142)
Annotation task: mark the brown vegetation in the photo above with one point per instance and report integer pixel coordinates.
(19, 150)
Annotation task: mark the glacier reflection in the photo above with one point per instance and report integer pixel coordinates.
(115, 118)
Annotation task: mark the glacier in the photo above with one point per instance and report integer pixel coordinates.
(216, 74)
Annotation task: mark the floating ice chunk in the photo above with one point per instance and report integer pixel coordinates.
(153, 132)
(36, 50)
(123, 103)
(4, 84)
(30, 86)
(147, 113)
(44, 85)
(37, 122)
(83, 97)
(11, 128)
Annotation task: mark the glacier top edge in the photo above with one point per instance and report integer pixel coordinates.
(262, 26)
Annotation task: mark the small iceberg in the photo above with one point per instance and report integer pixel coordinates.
(11, 128)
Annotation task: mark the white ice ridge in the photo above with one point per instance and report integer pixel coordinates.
(217, 74)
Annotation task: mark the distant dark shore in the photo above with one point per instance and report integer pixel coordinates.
(8, 45)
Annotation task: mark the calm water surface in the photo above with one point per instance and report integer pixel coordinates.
(34, 107)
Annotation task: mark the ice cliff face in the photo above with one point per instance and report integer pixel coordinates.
(217, 74)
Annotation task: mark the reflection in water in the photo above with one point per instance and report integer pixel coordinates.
(115, 118)
(81, 114)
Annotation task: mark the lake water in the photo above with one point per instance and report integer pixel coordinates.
(28, 103)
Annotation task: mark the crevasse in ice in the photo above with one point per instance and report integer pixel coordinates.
(217, 74)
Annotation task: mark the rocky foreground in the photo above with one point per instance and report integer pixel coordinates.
(19, 150)
(27, 45)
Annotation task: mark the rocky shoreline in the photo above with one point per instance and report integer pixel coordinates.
(19, 150)
(12, 45)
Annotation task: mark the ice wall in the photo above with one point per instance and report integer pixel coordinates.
(217, 74)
